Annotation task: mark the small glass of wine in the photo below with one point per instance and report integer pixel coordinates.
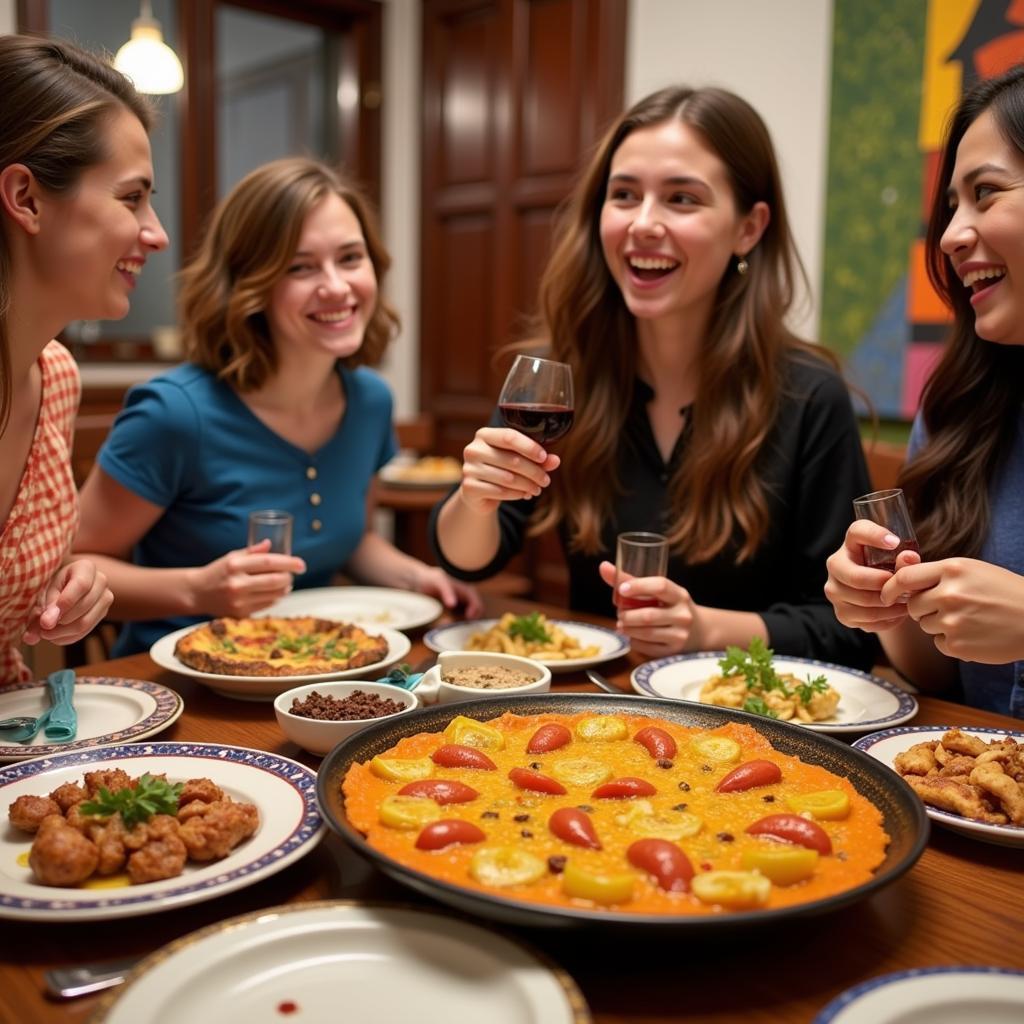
(888, 509)
(639, 553)
(536, 398)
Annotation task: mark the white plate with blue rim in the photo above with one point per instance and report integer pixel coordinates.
(380, 963)
(283, 791)
(109, 710)
(608, 642)
(866, 702)
(938, 995)
(885, 745)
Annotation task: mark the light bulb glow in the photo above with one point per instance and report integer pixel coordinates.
(148, 61)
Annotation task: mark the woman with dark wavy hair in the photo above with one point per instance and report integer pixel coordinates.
(953, 614)
(76, 227)
(277, 407)
(699, 414)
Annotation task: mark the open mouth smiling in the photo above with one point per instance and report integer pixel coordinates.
(333, 316)
(983, 278)
(651, 268)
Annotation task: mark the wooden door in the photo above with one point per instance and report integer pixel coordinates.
(516, 92)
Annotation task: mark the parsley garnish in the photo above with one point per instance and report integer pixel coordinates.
(136, 803)
(330, 649)
(805, 691)
(754, 664)
(529, 627)
(229, 646)
(756, 706)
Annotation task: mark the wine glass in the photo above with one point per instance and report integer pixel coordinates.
(536, 398)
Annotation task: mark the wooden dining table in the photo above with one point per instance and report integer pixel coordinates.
(959, 905)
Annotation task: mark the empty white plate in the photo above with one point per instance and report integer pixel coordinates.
(343, 961)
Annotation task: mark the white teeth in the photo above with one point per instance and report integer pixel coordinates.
(130, 266)
(981, 275)
(652, 263)
(331, 318)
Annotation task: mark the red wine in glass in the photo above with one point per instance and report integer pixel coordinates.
(537, 398)
(540, 421)
(885, 558)
(624, 603)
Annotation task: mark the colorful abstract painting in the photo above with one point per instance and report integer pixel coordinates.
(899, 66)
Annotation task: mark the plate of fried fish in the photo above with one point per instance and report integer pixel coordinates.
(128, 830)
(970, 780)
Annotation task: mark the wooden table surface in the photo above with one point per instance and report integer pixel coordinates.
(960, 904)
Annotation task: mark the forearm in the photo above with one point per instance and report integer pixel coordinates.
(721, 628)
(144, 593)
(468, 539)
(379, 562)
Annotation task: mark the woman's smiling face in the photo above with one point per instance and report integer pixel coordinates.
(95, 240)
(669, 223)
(984, 239)
(328, 294)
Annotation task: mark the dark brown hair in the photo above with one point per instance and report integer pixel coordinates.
(972, 400)
(247, 249)
(718, 497)
(56, 101)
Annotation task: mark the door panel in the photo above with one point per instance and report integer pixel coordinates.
(514, 94)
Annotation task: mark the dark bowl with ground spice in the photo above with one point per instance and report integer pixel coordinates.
(321, 715)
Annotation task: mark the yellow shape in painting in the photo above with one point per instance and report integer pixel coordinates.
(945, 25)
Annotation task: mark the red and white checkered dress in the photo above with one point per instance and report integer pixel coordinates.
(37, 536)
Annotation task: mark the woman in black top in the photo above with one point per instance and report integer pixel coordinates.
(698, 413)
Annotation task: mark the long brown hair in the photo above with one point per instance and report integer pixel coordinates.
(718, 496)
(57, 99)
(249, 245)
(972, 400)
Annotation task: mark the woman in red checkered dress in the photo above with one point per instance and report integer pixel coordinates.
(76, 227)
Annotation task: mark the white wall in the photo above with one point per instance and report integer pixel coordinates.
(7, 18)
(776, 54)
(400, 193)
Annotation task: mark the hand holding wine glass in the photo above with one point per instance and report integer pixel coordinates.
(502, 464)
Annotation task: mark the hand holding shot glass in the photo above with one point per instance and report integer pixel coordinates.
(639, 555)
(889, 509)
(273, 525)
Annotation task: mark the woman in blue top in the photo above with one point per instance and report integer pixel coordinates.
(276, 408)
(961, 620)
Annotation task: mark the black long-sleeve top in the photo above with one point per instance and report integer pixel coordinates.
(813, 465)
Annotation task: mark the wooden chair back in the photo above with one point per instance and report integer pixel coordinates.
(91, 431)
(885, 460)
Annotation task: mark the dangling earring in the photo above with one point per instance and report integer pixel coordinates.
(742, 266)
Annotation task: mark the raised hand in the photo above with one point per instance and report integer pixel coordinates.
(669, 627)
(855, 589)
(73, 603)
(243, 581)
(971, 609)
(501, 464)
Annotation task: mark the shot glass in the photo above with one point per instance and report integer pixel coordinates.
(639, 554)
(272, 524)
(888, 509)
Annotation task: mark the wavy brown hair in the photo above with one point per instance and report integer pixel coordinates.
(57, 100)
(717, 493)
(250, 243)
(971, 403)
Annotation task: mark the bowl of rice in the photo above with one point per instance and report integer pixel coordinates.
(473, 675)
